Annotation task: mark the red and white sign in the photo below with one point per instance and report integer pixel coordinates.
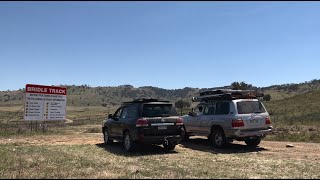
(45, 102)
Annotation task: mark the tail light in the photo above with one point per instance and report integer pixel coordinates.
(237, 123)
(268, 120)
(142, 123)
(179, 121)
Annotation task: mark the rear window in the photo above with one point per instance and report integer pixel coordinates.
(158, 110)
(248, 107)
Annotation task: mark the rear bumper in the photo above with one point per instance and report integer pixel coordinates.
(175, 139)
(238, 133)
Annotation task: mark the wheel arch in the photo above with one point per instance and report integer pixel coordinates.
(216, 127)
(124, 132)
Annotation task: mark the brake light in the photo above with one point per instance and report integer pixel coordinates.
(268, 120)
(237, 123)
(142, 123)
(179, 121)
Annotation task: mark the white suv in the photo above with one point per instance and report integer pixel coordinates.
(225, 115)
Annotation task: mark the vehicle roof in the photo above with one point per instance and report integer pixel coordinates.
(148, 101)
(227, 94)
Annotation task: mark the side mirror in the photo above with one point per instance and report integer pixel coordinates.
(110, 116)
(192, 114)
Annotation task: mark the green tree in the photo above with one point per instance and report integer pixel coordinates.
(241, 86)
(267, 97)
(182, 104)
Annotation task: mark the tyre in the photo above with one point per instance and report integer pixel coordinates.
(218, 138)
(253, 142)
(106, 137)
(185, 136)
(128, 144)
(169, 146)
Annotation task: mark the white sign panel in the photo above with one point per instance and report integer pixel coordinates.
(45, 102)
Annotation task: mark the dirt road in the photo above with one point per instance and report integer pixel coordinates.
(274, 149)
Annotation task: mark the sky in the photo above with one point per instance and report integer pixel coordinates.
(169, 45)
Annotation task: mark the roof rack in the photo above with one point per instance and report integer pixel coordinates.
(227, 94)
(144, 100)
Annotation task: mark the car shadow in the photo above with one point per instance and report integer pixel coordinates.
(141, 149)
(202, 144)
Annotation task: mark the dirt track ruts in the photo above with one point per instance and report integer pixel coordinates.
(274, 149)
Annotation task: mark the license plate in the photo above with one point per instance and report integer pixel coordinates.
(162, 127)
(253, 121)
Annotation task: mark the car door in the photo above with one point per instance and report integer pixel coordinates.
(222, 116)
(193, 123)
(206, 118)
(127, 119)
(121, 124)
(114, 124)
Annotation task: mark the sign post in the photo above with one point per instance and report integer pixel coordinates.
(45, 103)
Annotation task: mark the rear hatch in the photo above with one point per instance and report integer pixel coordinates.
(163, 119)
(253, 114)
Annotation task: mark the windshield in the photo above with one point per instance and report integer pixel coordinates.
(158, 110)
(249, 107)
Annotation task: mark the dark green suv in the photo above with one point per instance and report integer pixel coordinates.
(144, 121)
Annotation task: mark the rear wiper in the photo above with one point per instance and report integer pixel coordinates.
(257, 112)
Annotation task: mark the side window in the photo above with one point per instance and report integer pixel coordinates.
(124, 113)
(129, 112)
(199, 109)
(133, 111)
(222, 108)
(209, 109)
(117, 113)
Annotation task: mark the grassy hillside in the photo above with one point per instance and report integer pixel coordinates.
(62, 150)
(296, 118)
(284, 91)
(85, 95)
(294, 108)
(99, 96)
(301, 109)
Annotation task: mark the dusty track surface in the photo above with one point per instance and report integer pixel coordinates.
(76, 139)
(272, 149)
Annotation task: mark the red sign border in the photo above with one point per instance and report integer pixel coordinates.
(42, 86)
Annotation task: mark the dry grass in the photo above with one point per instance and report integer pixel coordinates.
(194, 159)
(75, 150)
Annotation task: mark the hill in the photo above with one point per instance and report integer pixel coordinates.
(303, 109)
(85, 95)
